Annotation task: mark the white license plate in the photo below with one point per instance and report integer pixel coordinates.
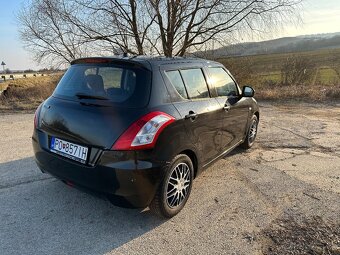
(69, 150)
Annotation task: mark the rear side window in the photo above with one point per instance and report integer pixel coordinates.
(195, 83)
(224, 84)
(128, 86)
(176, 80)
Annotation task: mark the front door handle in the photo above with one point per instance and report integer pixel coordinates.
(226, 107)
(192, 115)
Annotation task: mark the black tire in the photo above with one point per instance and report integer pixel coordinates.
(165, 206)
(251, 133)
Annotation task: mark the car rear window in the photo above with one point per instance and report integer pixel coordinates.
(124, 85)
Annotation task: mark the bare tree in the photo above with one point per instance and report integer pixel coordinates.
(47, 35)
(65, 29)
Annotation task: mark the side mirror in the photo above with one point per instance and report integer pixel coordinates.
(248, 91)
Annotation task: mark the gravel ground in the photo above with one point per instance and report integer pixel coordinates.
(280, 197)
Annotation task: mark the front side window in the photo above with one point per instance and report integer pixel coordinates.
(176, 81)
(129, 86)
(224, 84)
(195, 83)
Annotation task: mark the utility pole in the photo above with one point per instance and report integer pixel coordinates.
(3, 66)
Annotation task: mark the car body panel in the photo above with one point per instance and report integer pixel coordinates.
(204, 129)
(234, 120)
(129, 176)
(88, 122)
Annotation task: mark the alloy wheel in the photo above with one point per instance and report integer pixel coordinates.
(252, 132)
(178, 185)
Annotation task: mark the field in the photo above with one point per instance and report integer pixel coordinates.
(308, 76)
(270, 65)
(26, 94)
(320, 72)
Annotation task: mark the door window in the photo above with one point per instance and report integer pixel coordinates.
(224, 84)
(195, 83)
(176, 81)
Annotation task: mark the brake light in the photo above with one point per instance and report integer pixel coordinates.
(36, 116)
(143, 133)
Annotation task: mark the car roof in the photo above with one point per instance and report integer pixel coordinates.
(161, 60)
(149, 61)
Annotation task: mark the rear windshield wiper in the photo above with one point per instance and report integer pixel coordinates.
(86, 96)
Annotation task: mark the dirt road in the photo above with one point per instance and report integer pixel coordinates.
(248, 203)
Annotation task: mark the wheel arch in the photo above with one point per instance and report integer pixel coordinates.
(193, 157)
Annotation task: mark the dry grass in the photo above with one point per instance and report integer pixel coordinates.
(308, 93)
(27, 94)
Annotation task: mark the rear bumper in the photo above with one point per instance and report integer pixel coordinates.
(127, 178)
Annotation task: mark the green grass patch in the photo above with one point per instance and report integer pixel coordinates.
(326, 76)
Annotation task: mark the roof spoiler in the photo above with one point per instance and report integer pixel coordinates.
(104, 60)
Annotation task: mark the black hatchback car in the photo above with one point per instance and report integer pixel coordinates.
(140, 129)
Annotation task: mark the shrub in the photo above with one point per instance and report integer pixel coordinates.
(297, 70)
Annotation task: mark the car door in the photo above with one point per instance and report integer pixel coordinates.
(199, 111)
(234, 108)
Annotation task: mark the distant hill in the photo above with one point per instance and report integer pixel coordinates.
(281, 45)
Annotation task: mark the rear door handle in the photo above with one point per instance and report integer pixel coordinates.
(192, 115)
(226, 108)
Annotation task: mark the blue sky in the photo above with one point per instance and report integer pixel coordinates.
(319, 16)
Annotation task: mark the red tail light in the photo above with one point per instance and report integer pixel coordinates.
(143, 133)
(36, 116)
